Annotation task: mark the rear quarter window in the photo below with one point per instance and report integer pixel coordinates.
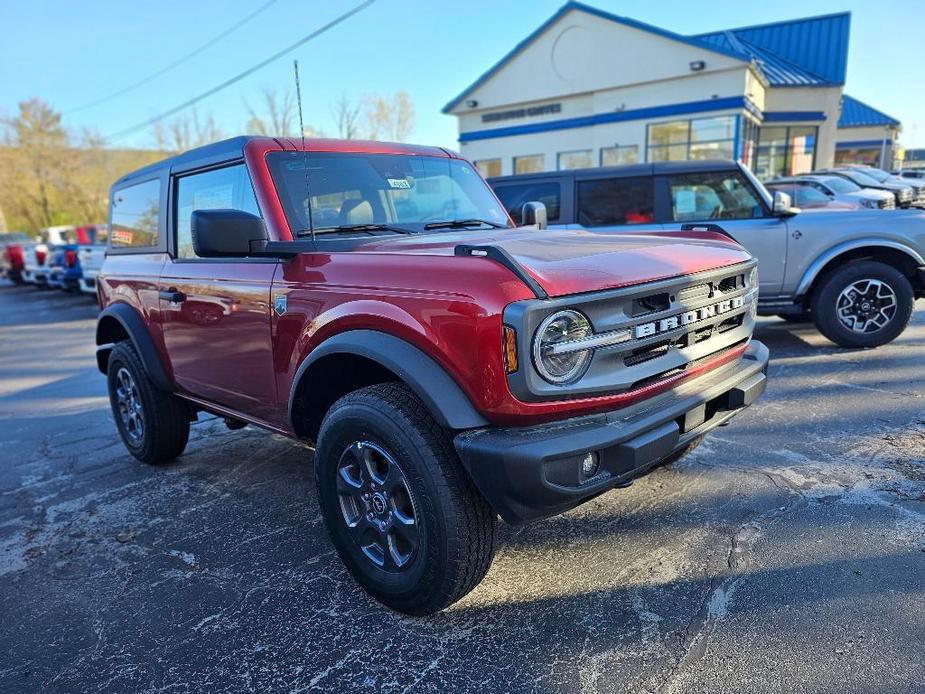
(136, 215)
(615, 201)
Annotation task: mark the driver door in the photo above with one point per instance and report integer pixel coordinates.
(217, 311)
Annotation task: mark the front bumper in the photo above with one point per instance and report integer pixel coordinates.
(527, 473)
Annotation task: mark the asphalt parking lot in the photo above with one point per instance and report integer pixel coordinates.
(786, 554)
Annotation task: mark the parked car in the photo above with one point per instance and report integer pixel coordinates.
(36, 258)
(448, 367)
(904, 194)
(856, 274)
(11, 255)
(808, 199)
(66, 270)
(911, 173)
(842, 190)
(91, 257)
(918, 187)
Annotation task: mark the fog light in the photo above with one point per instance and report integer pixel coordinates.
(589, 465)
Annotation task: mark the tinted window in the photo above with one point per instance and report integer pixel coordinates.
(135, 214)
(514, 197)
(702, 196)
(220, 189)
(615, 201)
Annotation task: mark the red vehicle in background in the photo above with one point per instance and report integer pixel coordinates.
(11, 255)
(376, 301)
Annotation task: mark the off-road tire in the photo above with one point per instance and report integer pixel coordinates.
(457, 528)
(165, 416)
(826, 294)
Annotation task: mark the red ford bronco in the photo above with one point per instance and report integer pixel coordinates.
(376, 300)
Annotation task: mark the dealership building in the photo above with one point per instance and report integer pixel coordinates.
(589, 88)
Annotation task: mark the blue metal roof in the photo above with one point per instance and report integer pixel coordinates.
(777, 71)
(857, 114)
(568, 7)
(804, 52)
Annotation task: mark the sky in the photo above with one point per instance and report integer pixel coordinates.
(70, 53)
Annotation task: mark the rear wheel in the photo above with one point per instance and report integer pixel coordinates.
(153, 423)
(404, 517)
(865, 303)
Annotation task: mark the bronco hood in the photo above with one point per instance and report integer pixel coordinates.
(571, 261)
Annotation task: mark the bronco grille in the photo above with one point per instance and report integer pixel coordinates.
(644, 332)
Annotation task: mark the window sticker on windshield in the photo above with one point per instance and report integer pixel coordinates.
(399, 183)
(685, 201)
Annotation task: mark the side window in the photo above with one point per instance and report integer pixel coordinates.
(514, 197)
(227, 189)
(701, 196)
(135, 215)
(609, 201)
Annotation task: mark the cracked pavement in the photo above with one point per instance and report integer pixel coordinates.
(787, 553)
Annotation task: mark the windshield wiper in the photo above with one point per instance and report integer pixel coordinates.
(460, 223)
(346, 228)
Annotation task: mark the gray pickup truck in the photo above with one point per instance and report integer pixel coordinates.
(855, 274)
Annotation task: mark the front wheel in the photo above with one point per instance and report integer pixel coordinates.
(404, 517)
(865, 303)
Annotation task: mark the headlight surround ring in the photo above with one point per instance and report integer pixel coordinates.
(561, 326)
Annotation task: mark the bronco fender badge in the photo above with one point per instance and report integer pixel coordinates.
(280, 303)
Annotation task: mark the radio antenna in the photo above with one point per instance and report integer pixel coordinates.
(308, 195)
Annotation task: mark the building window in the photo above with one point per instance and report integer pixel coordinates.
(858, 155)
(489, 167)
(749, 147)
(698, 138)
(618, 156)
(579, 159)
(532, 163)
(785, 151)
(515, 197)
(613, 201)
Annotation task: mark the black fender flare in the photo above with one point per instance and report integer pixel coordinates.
(134, 325)
(440, 393)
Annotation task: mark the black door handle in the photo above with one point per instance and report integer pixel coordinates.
(172, 295)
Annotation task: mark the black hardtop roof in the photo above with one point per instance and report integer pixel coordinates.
(232, 148)
(651, 169)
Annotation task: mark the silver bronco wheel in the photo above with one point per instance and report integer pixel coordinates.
(128, 402)
(377, 505)
(866, 305)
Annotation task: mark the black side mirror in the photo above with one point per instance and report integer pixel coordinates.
(534, 214)
(227, 233)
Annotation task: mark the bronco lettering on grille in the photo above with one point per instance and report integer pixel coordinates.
(687, 318)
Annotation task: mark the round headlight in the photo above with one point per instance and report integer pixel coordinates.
(567, 362)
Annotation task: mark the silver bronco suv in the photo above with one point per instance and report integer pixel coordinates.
(855, 274)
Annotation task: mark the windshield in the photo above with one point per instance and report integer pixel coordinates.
(862, 178)
(355, 191)
(841, 185)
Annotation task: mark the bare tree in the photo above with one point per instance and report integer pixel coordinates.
(186, 132)
(389, 118)
(277, 116)
(347, 116)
